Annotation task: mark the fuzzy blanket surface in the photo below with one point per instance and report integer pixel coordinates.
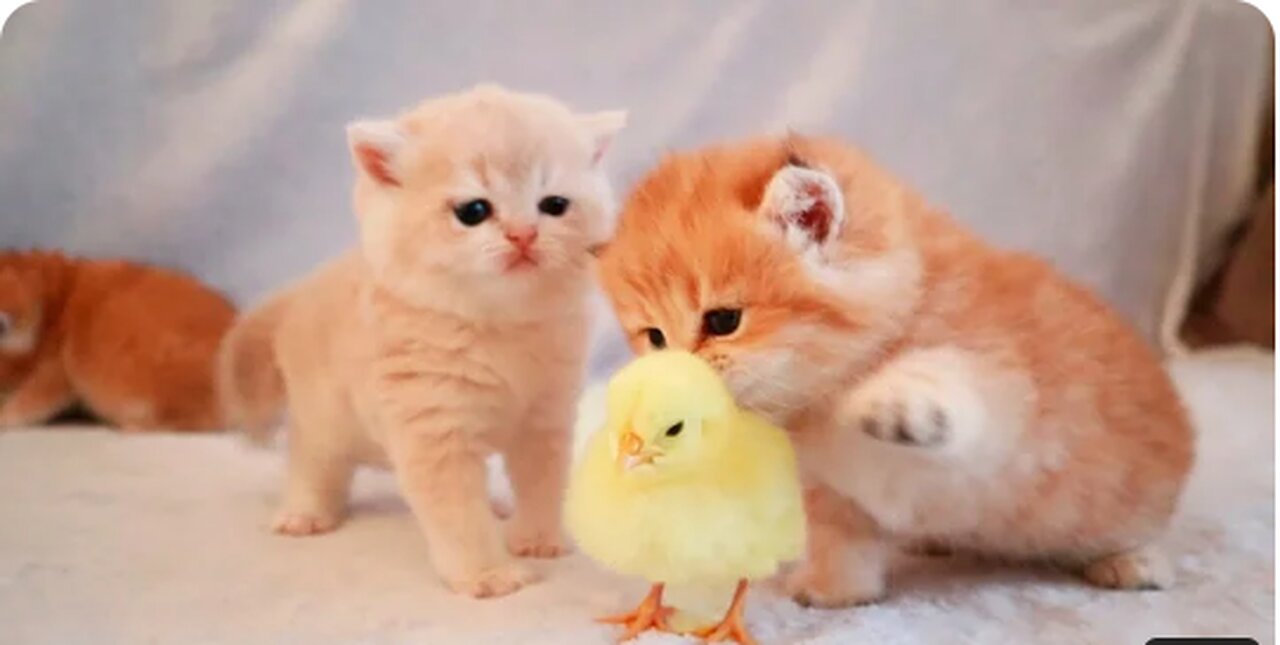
(110, 538)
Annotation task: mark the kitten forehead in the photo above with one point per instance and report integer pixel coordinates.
(479, 138)
(515, 156)
(688, 236)
(506, 124)
(505, 170)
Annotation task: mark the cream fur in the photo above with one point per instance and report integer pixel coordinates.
(426, 351)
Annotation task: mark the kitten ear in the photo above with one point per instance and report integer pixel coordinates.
(375, 147)
(806, 205)
(601, 128)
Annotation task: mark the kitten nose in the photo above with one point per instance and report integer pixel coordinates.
(522, 237)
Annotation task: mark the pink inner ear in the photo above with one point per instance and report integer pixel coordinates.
(817, 218)
(602, 146)
(375, 163)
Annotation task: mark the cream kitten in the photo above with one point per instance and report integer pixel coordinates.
(457, 329)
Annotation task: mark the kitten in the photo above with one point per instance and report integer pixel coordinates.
(937, 388)
(133, 344)
(456, 329)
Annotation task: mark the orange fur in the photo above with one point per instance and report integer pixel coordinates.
(132, 343)
(937, 388)
(437, 343)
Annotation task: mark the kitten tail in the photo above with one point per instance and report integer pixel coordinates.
(250, 386)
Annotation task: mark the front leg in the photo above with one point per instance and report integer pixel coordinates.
(847, 558)
(537, 464)
(442, 474)
(40, 397)
(944, 402)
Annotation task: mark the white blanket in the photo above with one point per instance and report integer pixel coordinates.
(108, 538)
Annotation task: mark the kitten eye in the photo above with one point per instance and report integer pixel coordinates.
(473, 212)
(721, 322)
(6, 323)
(553, 205)
(675, 429)
(656, 339)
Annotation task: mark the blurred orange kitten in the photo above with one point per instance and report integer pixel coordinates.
(938, 389)
(455, 330)
(132, 344)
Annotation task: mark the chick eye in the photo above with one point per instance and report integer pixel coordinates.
(473, 212)
(721, 322)
(656, 339)
(553, 205)
(675, 429)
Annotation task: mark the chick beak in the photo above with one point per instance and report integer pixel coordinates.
(631, 452)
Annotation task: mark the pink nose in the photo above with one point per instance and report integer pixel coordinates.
(521, 237)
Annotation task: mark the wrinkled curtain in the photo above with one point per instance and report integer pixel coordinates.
(1112, 136)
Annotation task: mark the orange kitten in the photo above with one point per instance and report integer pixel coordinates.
(938, 389)
(458, 328)
(134, 344)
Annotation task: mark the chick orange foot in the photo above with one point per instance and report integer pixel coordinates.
(651, 614)
(733, 627)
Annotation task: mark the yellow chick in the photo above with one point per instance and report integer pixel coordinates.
(682, 487)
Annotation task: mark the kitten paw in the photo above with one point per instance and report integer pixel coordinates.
(910, 407)
(500, 580)
(1140, 569)
(534, 543)
(298, 523)
(809, 586)
(901, 418)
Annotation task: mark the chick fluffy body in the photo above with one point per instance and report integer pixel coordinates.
(721, 500)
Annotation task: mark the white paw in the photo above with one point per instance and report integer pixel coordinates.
(529, 541)
(811, 586)
(299, 523)
(499, 580)
(1132, 570)
(911, 407)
